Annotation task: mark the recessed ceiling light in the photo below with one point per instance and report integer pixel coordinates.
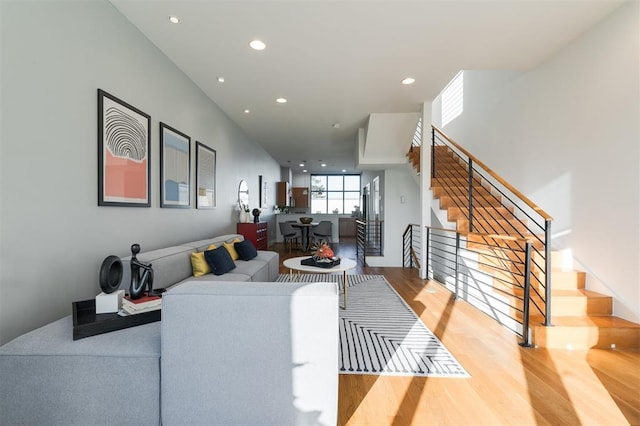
(409, 80)
(281, 100)
(323, 165)
(257, 44)
(304, 171)
(220, 79)
(301, 164)
(246, 111)
(174, 19)
(344, 170)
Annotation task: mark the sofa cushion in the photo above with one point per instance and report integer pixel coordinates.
(219, 260)
(231, 249)
(245, 249)
(199, 263)
(233, 276)
(47, 378)
(256, 269)
(273, 261)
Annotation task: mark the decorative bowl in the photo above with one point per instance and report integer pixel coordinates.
(306, 220)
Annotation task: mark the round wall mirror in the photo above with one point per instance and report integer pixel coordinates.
(243, 193)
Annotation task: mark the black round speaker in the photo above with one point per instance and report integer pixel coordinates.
(110, 274)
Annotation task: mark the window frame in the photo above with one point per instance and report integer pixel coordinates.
(326, 192)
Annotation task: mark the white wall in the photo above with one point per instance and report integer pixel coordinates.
(396, 185)
(567, 135)
(55, 55)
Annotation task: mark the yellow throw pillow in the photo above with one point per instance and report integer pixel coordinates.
(199, 264)
(232, 250)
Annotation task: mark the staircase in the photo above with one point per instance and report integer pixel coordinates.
(581, 318)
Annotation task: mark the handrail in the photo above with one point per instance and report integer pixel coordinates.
(497, 177)
(478, 196)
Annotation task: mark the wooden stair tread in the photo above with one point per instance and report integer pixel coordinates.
(581, 292)
(597, 321)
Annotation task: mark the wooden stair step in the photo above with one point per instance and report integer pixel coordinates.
(447, 201)
(454, 213)
(580, 302)
(584, 332)
(565, 280)
(492, 226)
(463, 191)
(454, 180)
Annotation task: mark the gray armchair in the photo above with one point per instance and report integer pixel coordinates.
(323, 231)
(290, 234)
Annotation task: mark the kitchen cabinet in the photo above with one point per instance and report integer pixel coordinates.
(283, 194)
(300, 196)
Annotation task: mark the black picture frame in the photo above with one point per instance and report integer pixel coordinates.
(205, 193)
(175, 168)
(263, 192)
(124, 155)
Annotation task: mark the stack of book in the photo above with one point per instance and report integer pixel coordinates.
(145, 303)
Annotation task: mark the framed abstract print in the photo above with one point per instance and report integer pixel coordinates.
(205, 177)
(175, 168)
(124, 171)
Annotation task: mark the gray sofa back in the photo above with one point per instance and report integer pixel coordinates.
(250, 354)
(172, 265)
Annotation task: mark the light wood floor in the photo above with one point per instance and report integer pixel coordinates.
(509, 385)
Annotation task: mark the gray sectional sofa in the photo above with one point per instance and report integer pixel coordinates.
(230, 349)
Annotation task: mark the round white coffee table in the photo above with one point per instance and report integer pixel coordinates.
(345, 264)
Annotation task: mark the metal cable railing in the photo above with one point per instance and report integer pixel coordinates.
(411, 238)
(483, 202)
(484, 271)
(417, 135)
(369, 239)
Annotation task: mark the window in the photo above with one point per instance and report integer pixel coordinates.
(453, 99)
(335, 193)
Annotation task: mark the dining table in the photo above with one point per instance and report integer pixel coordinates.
(306, 229)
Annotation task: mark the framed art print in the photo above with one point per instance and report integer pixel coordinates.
(205, 177)
(175, 168)
(124, 171)
(263, 192)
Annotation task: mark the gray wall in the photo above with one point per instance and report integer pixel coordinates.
(55, 55)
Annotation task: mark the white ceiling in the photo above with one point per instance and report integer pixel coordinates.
(339, 61)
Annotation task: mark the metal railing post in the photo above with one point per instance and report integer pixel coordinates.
(457, 257)
(547, 272)
(527, 296)
(426, 256)
(433, 152)
(470, 195)
(410, 246)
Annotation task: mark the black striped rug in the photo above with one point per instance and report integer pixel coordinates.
(381, 335)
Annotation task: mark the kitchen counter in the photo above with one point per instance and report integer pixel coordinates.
(334, 218)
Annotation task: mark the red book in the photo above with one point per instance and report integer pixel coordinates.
(142, 302)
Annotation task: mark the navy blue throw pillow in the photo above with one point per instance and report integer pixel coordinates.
(219, 260)
(245, 249)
